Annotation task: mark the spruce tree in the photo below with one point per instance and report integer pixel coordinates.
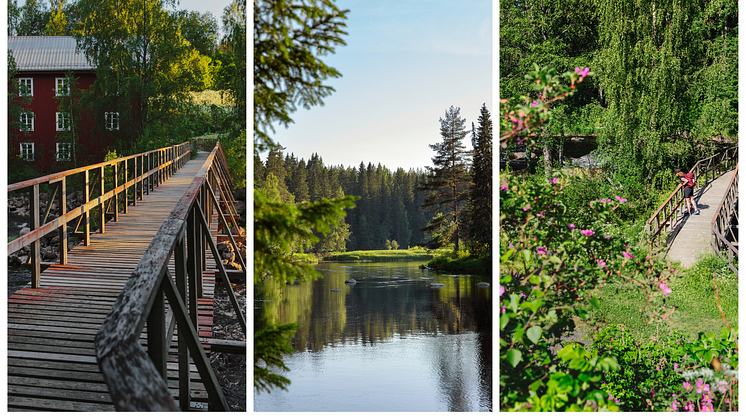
(448, 178)
(480, 199)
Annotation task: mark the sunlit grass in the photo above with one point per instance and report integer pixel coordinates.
(693, 295)
(381, 255)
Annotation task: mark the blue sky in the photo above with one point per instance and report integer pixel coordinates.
(405, 63)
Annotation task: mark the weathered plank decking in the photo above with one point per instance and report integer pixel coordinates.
(51, 330)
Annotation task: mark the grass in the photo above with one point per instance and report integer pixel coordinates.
(210, 97)
(462, 264)
(417, 254)
(305, 258)
(693, 296)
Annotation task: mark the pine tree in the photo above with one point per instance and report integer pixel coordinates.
(480, 199)
(448, 180)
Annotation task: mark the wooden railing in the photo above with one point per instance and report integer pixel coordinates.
(129, 179)
(722, 226)
(705, 170)
(137, 380)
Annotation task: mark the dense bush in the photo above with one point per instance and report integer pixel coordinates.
(657, 375)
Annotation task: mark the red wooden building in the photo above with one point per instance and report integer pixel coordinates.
(43, 64)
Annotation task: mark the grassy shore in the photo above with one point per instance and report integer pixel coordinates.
(464, 264)
(692, 294)
(416, 254)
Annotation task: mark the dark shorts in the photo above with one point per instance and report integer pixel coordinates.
(688, 192)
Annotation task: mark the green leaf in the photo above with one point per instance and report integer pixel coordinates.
(534, 333)
(514, 356)
(595, 302)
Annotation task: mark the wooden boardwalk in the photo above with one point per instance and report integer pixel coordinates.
(691, 240)
(51, 330)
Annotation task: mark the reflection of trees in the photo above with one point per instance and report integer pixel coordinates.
(385, 303)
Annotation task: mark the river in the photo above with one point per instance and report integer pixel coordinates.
(389, 342)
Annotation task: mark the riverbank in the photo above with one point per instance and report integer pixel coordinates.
(416, 254)
(462, 265)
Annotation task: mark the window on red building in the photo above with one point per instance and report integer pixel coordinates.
(111, 120)
(27, 151)
(61, 87)
(26, 86)
(63, 121)
(27, 121)
(63, 151)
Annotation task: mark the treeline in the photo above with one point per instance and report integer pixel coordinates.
(664, 84)
(388, 209)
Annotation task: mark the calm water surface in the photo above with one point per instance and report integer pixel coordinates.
(389, 342)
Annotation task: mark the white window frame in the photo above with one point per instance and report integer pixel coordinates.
(28, 153)
(61, 82)
(27, 117)
(61, 150)
(61, 118)
(111, 121)
(21, 82)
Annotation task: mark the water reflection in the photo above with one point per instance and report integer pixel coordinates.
(442, 335)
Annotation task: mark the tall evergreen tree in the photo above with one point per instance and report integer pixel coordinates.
(480, 198)
(448, 178)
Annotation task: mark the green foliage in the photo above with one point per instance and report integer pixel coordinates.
(551, 268)
(653, 373)
(279, 227)
(270, 344)
(144, 68)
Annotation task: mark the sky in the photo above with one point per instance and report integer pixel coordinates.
(404, 65)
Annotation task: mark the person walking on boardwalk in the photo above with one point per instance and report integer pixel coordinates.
(688, 182)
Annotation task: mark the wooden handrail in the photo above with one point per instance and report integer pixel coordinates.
(704, 170)
(153, 166)
(136, 380)
(721, 225)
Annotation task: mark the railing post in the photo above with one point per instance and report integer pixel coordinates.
(126, 189)
(86, 217)
(102, 207)
(193, 271)
(115, 174)
(62, 230)
(134, 186)
(35, 256)
(183, 348)
(156, 334)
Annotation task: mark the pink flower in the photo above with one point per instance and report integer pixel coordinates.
(627, 255)
(588, 232)
(601, 263)
(674, 406)
(664, 317)
(620, 199)
(665, 289)
(504, 187)
(687, 386)
(527, 207)
(502, 290)
(571, 226)
(554, 181)
(582, 73)
(675, 366)
(534, 103)
(541, 250)
(722, 386)
(604, 200)
(699, 385)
